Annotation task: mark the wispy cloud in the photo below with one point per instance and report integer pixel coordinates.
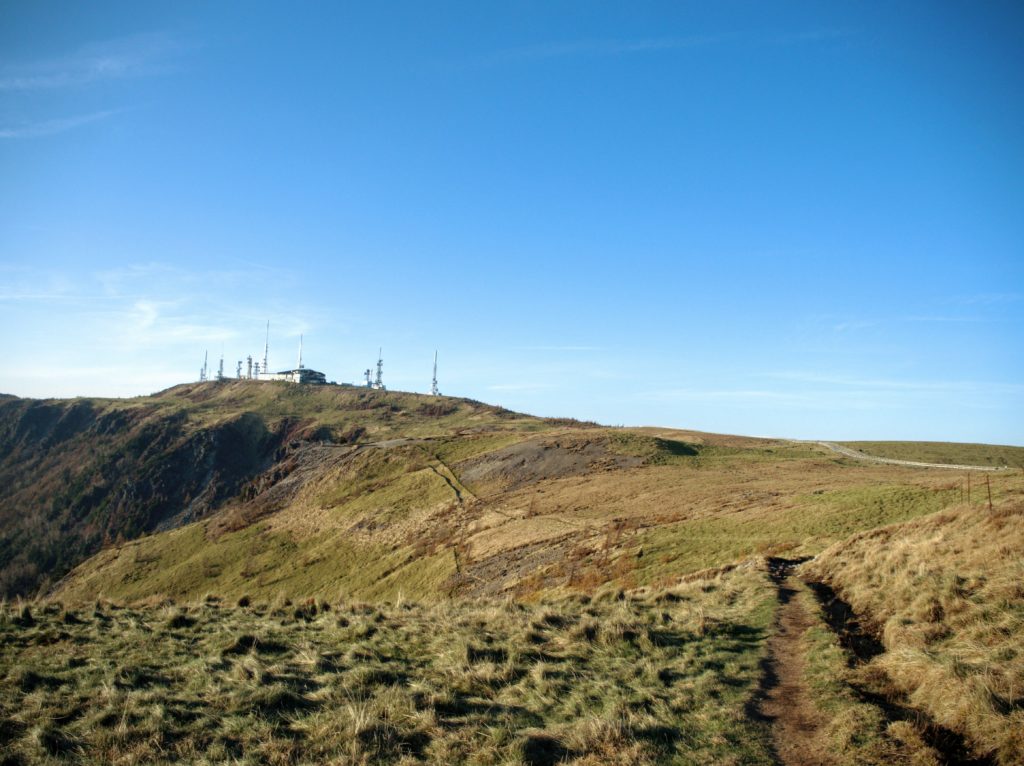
(845, 383)
(135, 56)
(856, 324)
(720, 395)
(818, 393)
(624, 46)
(988, 299)
(561, 349)
(941, 319)
(607, 47)
(520, 387)
(52, 127)
(811, 36)
(153, 305)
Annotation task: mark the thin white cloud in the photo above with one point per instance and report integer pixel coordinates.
(988, 299)
(134, 56)
(914, 387)
(608, 47)
(520, 387)
(941, 319)
(857, 324)
(623, 46)
(561, 349)
(811, 36)
(52, 127)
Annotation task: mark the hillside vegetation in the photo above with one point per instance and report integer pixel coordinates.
(509, 507)
(946, 595)
(82, 474)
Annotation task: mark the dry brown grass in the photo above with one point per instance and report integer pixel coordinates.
(946, 593)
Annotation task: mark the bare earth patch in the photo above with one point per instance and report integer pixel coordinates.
(787, 701)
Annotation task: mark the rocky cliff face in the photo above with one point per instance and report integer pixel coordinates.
(77, 474)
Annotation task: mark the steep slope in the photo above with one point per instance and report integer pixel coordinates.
(77, 475)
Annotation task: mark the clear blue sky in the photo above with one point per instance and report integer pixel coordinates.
(791, 219)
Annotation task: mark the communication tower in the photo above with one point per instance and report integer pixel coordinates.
(220, 368)
(378, 382)
(238, 372)
(248, 367)
(369, 380)
(433, 384)
(266, 349)
(300, 353)
(202, 371)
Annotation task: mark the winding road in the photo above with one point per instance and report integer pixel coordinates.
(848, 452)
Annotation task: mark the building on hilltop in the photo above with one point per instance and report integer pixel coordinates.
(298, 375)
(260, 371)
(301, 373)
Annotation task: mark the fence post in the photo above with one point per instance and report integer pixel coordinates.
(988, 486)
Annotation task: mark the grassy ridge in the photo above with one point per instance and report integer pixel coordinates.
(948, 453)
(375, 522)
(648, 677)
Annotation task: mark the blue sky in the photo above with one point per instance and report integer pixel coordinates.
(789, 219)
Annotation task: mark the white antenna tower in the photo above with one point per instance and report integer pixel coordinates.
(379, 380)
(266, 349)
(202, 372)
(238, 372)
(300, 351)
(220, 369)
(248, 367)
(367, 374)
(433, 384)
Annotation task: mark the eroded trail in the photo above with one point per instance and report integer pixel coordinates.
(786, 703)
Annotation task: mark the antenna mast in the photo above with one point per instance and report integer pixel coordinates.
(266, 348)
(220, 369)
(379, 380)
(202, 372)
(300, 351)
(433, 385)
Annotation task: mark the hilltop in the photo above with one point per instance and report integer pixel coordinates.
(77, 475)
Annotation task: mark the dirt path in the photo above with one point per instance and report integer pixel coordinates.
(857, 455)
(786, 703)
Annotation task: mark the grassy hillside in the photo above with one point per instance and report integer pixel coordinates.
(945, 594)
(513, 508)
(81, 474)
(949, 453)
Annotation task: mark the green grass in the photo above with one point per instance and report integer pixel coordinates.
(637, 678)
(257, 561)
(812, 525)
(950, 453)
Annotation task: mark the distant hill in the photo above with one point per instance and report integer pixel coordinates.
(77, 475)
(945, 452)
